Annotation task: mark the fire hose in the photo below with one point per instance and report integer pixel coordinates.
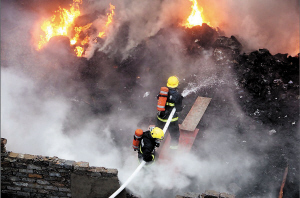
(143, 162)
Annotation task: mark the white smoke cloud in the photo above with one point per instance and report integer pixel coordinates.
(37, 100)
(35, 125)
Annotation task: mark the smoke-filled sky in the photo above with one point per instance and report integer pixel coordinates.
(45, 105)
(269, 24)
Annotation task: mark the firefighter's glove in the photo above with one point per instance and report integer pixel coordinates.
(157, 142)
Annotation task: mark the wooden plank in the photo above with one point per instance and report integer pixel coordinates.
(188, 130)
(195, 114)
(283, 182)
(186, 141)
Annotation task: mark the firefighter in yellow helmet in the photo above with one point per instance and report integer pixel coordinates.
(149, 141)
(174, 99)
(173, 82)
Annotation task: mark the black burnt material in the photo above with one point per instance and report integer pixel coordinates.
(226, 49)
(267, 90)
(272, 85)
(94, 76)
(203, 35)
(270, 96)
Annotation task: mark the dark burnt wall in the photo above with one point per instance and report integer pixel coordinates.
(24, 175)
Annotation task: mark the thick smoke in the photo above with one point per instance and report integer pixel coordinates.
(47, 96)
(45, 104)
(270, 24)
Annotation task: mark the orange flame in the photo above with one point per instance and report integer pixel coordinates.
(79, 51)
(109, 20)
(62, 23)
(195, 17)
(78, 30)
(59, 23)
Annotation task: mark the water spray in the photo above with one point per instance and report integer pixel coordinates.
(194, 87)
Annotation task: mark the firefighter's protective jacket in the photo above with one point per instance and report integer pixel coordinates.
(147, 146)
(174, 100)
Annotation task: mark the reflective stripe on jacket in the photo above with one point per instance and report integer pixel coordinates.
(165, 120)
(170, 104)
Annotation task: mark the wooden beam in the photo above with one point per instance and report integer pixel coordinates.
(283, 182)
(195, 114)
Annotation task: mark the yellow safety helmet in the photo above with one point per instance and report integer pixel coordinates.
(157, 133)
(173, 82)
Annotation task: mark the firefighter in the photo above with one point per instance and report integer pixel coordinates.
(174, 99)
(149, 140)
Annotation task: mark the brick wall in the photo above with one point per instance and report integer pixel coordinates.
(24, 175)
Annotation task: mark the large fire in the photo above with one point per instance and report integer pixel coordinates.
(62, 23)
(195, 17)
(59, 23)
(109, 20)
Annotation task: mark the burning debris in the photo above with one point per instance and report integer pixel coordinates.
(195, 18)
(63, 23)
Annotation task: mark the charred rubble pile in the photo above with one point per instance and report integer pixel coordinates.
(269, 94)
(265, 86)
